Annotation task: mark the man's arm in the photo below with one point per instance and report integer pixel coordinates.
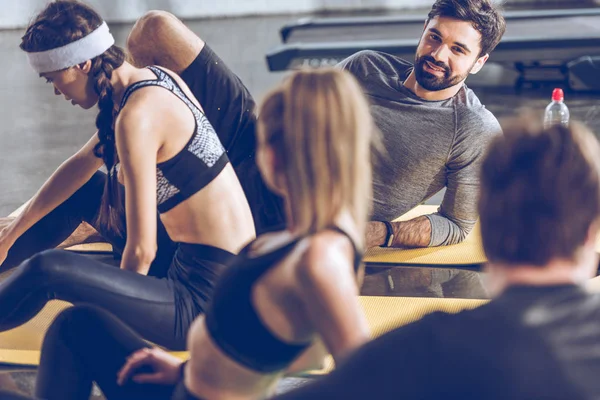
(458, 212)
(413, 233)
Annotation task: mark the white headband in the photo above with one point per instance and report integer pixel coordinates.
(86, 48)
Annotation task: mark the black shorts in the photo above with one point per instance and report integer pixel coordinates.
(231, 110)
(193, 275)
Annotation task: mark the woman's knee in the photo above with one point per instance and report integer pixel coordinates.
(74, 321)
(72, 329)
(45, 263)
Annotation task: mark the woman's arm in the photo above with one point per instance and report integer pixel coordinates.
(64, 182)
(330, 294)
(137, 145)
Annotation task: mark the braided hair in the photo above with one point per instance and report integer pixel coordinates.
(63, 22)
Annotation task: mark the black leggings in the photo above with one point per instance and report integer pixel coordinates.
(160, 309)
(146, 303)
(60, 223)
(84, 345)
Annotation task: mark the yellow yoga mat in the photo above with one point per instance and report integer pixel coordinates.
(21, 346)
(468, 252)
(387, 313)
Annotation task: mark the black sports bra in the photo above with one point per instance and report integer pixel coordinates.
(235, 326)
(197, 164)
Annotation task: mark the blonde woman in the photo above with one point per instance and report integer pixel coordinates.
(291, 296)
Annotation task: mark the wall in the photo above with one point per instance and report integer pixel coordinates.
(17, 13)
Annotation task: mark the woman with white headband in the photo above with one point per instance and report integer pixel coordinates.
(154, 138)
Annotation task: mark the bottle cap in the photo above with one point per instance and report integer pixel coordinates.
(558, 94)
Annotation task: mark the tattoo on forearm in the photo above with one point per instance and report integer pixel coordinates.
(413, 233)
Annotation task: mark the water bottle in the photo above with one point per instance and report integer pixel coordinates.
(557, 111)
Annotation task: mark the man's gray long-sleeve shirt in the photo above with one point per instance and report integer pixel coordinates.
(429, 145)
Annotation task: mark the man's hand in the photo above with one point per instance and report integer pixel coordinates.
(407, 234)
(376, 233)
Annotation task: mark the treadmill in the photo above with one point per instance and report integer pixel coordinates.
(558, 47)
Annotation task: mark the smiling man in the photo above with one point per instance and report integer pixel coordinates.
(434, 128)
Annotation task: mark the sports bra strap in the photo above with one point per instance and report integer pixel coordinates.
(164, 80)
(358, 254)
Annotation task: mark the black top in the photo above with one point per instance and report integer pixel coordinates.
(197, 164)
(530, 343)
(233, 322)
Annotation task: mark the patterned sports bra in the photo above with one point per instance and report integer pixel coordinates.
(197, 164)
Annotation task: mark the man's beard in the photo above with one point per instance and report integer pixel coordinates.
(432, 82)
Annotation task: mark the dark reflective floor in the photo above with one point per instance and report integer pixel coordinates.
(424, 282)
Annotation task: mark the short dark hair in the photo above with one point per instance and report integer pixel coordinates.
(540, 193)
(485, 17)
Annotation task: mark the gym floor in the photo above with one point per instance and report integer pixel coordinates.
(40, 131)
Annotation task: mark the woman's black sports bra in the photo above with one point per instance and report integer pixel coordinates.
(235, 326)
(197, 164)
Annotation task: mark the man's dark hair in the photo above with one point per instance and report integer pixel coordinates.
(540, 193)
(486, 18)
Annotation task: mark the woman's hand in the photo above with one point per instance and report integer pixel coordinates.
(161, 367)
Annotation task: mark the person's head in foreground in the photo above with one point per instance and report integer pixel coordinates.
(540, 204)
(314, 138)
(458, 38)
(539, 208)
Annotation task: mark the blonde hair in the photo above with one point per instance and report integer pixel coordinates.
(320, 128)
